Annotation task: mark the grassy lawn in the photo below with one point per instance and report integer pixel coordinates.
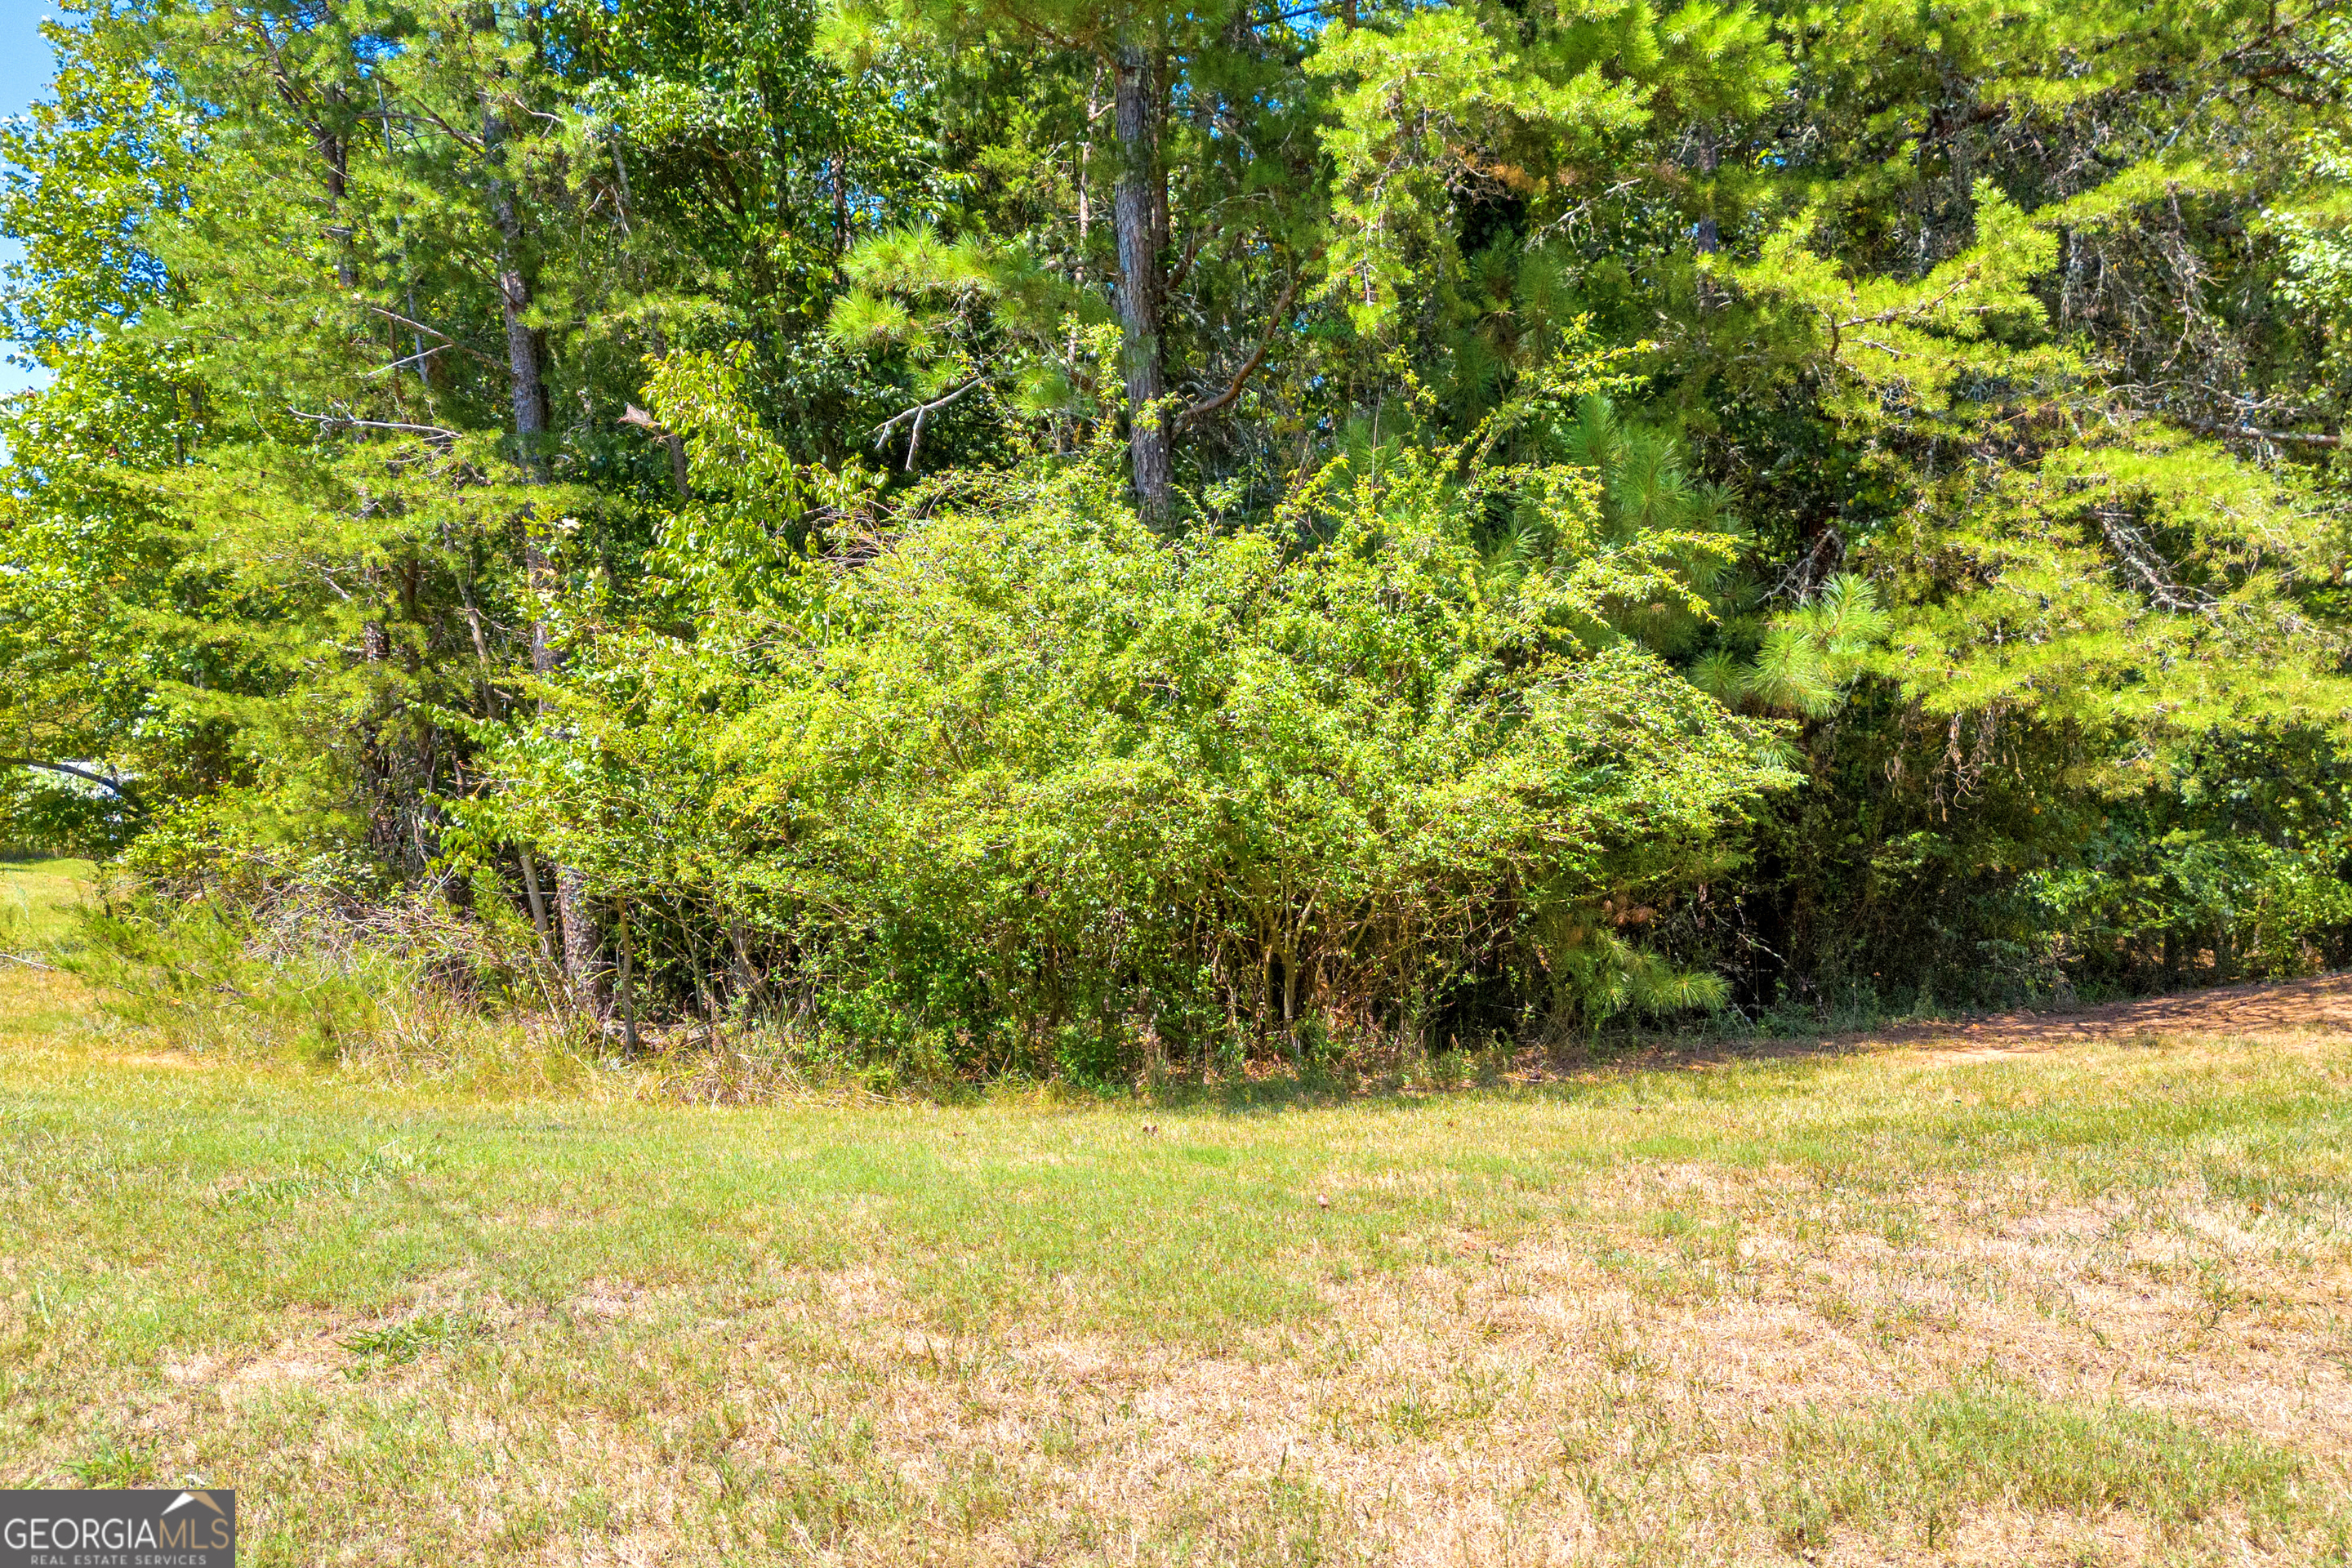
(2089, 1305)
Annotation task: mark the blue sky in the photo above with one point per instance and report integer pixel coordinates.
(25, 68)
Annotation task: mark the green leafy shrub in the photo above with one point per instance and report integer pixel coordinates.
(2188, 904)
(1030, 778)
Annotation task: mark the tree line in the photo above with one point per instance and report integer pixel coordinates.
(1050, 532)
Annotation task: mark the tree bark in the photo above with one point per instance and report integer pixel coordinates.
(538, 905)
(335, 153)
(840, 200)
(527, 387)
(1705, 233)
(423, 361)
(628, 990)
(1136, 205)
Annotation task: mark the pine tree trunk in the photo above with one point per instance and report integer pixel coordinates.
(840, 201)
(527, 387)
(1705, 233)
(1136, 207)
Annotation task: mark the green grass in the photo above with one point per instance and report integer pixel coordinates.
(1845, 1306)
(1923, 1464)
(38, 900)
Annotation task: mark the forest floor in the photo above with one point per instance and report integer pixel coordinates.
(2062, 1292)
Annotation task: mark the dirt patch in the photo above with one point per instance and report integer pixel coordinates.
(300, 1362)
(2319, 1002)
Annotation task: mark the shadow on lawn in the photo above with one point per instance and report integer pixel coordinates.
(2316, 1001)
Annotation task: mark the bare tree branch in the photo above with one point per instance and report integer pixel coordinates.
(345, 422)
(2132, 547)
(2249, 433)
(672, 442)
(918, 414)
(120, 793)
(432, 332)
(417, 357)
(1233, 390)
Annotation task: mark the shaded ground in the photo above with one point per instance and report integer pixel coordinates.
(2321, 1001)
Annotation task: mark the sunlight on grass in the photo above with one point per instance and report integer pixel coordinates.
(1924, 1465)
(1866, 1307)
(38, 898)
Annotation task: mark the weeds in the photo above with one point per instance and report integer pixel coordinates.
(1927, 1464)
(113, 1467)
(397, 1344)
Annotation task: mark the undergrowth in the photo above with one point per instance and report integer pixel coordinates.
(416, 988)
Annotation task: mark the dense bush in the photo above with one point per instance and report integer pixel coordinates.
(1032, 776)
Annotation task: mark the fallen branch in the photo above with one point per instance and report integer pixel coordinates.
(31, 962)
